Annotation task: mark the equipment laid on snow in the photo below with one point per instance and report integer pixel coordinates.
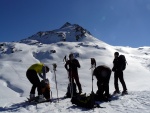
(85, 101)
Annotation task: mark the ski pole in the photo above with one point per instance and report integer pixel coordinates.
(54, 68)
(71, 80)
(93, 65)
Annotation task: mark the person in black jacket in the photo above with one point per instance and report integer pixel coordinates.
(102, 74)
(73, 71)
(118, 74)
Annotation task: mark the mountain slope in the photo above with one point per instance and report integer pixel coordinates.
(16, 57)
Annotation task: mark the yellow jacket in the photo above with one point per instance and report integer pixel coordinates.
(38, 67)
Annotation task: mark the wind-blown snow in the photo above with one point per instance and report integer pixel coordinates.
(15, 58)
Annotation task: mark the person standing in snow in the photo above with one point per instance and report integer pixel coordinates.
(118, 74)
(73, 71)
(32, 74)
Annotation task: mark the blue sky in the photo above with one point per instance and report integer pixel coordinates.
(116, 22)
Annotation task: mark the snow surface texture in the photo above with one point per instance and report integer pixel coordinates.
(16, 57)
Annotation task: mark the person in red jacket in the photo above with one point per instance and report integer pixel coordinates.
(72, 66)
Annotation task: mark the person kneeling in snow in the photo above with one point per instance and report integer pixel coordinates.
(32, 75)
(102, 74)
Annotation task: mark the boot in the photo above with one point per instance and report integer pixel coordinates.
(41, 98)
(125, 92)
(116, 92)
(80, 91)
(32, 96)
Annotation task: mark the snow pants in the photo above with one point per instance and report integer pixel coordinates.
(119, 75)
(74, 76)
(103, 86)
(35, 81)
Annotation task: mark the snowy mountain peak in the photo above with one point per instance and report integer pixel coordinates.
(68, 32)
(66, 25)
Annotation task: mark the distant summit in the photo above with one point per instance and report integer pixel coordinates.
(68, 32)
(66, 25)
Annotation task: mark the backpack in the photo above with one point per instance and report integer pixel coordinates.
(122, 62)
(84, 101)
(69, 90)
(45, 86)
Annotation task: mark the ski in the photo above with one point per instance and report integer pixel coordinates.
(34, 101)
(53, 100)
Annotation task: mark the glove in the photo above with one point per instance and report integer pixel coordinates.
(46, 81)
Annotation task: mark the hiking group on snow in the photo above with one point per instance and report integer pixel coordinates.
(102, 74)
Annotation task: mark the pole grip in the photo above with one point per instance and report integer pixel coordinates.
(93, 63)
(54, 66)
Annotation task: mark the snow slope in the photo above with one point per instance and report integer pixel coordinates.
(16, 57)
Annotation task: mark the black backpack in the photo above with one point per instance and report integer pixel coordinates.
(70, 88)
(84, 101)
(122, 62)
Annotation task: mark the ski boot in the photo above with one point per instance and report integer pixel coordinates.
(41, 98)
(116, 92)
(124, 92)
